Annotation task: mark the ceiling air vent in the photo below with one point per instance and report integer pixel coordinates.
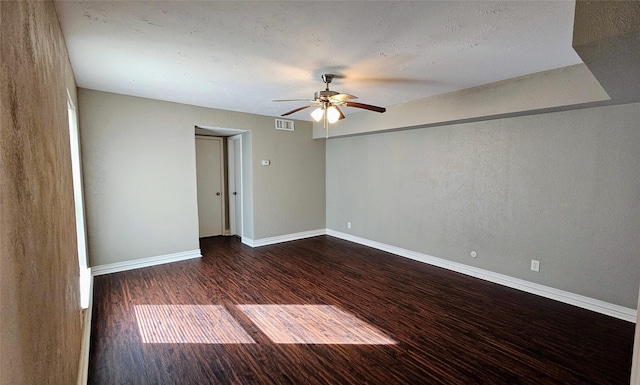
(282, 124)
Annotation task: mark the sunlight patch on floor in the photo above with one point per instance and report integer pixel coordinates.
(312, 324)
(196, 324)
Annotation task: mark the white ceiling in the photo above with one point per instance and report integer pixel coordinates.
(239, 55)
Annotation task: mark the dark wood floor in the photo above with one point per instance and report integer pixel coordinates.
(449, 328)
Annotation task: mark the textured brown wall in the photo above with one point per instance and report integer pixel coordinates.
(40, 330)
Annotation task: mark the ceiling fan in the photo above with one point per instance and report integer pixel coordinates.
(328, 104)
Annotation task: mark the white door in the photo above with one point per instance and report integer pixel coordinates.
(209, 172)
(234, 148)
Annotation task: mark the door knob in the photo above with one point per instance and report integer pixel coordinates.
(217, 193)
(235, 193)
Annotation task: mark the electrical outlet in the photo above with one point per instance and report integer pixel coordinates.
(348, 225)
(535, 265)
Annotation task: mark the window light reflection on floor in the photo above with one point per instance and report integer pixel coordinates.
(313, 324)
(195, 324)
(283, 324)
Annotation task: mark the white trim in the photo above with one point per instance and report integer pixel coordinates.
(282, 238)
(635, 360)
(145, 262)
(238, 227)
(592, 304)
(83, 370)
(85, 280)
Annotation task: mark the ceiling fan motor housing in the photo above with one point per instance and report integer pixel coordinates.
(325, 95)
(327, 78)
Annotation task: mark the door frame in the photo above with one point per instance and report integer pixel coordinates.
(234, 143)
(244, 160)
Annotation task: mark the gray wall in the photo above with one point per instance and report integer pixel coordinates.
(140, 180)
(635, 366)
(567, 86)
(561, 187)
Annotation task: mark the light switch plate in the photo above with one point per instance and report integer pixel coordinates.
(535, 265)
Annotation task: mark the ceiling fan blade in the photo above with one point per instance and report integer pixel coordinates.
(341, 114)
(365, 106)
(296, 110)
(292, 100)
(343, 97)
(398, 80)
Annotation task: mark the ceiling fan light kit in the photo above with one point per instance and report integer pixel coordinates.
(332, 114)
(317, 114)
(328, 105)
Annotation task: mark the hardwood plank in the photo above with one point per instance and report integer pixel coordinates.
(448, 328)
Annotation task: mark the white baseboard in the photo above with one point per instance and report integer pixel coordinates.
(592, 304)
(283, 238)
(83, 370)
(588, 303)
(145, 262)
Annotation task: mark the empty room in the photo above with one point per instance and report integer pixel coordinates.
(336, 192)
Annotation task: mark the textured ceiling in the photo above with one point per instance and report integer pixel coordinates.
(239, 55)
